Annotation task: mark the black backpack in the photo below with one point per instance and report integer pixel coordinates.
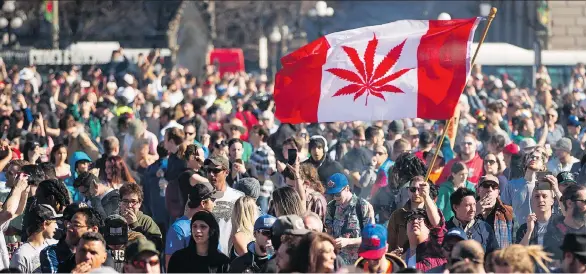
(332, 208)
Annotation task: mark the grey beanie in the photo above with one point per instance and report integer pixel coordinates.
(249, 186)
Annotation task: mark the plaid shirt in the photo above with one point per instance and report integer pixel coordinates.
(262, 159)
(503, 223)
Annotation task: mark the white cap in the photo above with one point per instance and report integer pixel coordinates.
(129, 79)
(111, 85)
(127, 92)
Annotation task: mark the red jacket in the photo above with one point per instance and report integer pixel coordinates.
(474, 169)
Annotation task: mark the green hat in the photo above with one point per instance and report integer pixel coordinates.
(139, 246)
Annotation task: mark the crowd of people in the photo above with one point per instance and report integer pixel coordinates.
(129, 167)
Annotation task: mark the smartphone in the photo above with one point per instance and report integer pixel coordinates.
(541, 175)
(291, 156)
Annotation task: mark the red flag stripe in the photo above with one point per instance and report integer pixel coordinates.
(443, 66)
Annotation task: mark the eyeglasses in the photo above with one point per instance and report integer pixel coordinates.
(130, 202)
(142, 263)
(265, 232)
(214, 170)
(489, 185)
(578, 200)
(76, 226)
(490, 162)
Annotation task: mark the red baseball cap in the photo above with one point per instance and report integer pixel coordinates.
(511, 148)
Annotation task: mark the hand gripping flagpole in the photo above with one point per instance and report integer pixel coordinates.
(491, 16)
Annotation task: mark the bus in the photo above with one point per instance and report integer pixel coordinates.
(499, 58)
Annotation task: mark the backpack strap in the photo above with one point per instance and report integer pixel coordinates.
(359, 213)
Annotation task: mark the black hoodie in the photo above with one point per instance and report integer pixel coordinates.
(326, 167)
(249, 262)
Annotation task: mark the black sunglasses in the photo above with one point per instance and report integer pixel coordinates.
(214, 170)
(265, 232)
(489, 185)
(413, 189)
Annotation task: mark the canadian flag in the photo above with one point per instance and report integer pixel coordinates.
(404, 69)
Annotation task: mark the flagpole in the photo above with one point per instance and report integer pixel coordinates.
(491, 17)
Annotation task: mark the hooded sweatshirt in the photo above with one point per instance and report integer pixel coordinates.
(76, 157)
(326, 167)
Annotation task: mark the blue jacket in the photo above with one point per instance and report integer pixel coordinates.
(481, 232)
(76, 157)
(154, 204)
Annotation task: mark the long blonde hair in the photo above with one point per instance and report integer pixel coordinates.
(523, 258)
(244, 214)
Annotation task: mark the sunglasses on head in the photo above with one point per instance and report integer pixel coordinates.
(142, 263)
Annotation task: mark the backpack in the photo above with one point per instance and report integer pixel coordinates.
(358, 208)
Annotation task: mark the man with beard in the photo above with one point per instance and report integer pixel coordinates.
(517, 192)
(258, 251)
(217, 169)
(60, 257)
(491, 209)
(421, 195)
(573, 204)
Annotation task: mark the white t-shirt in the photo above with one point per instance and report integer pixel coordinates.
(5, 261)
(223, 213)
(26, 258)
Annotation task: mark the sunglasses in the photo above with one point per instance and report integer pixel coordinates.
(265, 232)
(221, 144)
(490, 162)
(413, 189)
(535, 157)
(578, 200)
(467, 143)
(143, 263)
(234, 128)
(489, 185)
(214, 170)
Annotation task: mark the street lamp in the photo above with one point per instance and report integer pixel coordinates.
(10, 20)
(444, 16)
(320, 12)
(275, 38)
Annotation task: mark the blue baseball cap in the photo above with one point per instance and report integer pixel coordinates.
(336, 183)
(264, 222)
(456, 232)
(573, 121)
(374, 242)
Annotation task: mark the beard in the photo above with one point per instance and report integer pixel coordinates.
(579, 215)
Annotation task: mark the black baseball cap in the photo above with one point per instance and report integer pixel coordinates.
(115, 230)
(203, 191)
(44, 212)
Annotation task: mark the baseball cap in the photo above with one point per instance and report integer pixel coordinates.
(216, 160)
(456, 232)
(565, 177)
(489, 178)
(336, 183)
(45, 212)
(141, 245)
(264, 222)
(115, 230)
(511, 148)
(202, 191)
(374, 242)
(527, 144)
(574, 243)
(71, 209)
(573, 121)
(289, 225)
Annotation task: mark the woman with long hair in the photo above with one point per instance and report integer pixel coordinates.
(286, 201)
(458, 178)
(244, 214)
(117, 173)
(314, 191)
(322, 253)
(58, 158)
(202, 254)
(493, 165)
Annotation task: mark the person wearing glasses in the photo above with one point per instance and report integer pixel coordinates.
(491, 209)
(260, 251)
(60, 257)
(421, 195)
(457, 179)
(99, 194)
(424, 249)
(141, 256)
(573, 202)
(131, 200)
(467, 155)
(201, 197)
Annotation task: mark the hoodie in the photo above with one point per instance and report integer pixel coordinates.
(326, 167)
(76, 157)
(249, 262)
